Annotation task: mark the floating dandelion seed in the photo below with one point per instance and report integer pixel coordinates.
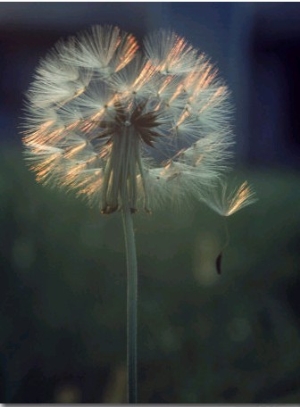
(218, 263)
(107, 119)
(227, 203)
(129, 127)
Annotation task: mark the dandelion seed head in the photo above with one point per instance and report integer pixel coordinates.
(115, 120)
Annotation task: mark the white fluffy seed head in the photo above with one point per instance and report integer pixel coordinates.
(116, 121)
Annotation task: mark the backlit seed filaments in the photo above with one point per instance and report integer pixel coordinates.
(125, 123)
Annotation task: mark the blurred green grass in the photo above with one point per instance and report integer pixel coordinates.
(203, 338)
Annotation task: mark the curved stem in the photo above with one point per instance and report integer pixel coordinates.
(131, 300)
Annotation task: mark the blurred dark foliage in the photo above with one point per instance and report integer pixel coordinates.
(203, 337)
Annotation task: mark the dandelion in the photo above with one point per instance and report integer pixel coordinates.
(130, 126)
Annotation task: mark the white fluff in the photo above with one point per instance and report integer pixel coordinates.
(104, 117)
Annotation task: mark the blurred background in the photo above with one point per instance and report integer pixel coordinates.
(203, 337)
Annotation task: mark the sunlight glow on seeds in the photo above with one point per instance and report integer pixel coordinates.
(106, 114)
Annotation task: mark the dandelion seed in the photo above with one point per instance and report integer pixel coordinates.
(107, 117)
(227, 203)
(218, 263)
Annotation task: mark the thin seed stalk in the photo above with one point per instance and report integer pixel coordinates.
(127, 192)
(132, 283)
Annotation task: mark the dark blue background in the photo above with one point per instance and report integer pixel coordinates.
(255, 46)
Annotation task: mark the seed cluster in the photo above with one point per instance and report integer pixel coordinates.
(128, 125)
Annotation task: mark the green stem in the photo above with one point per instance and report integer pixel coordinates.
(131, 302)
